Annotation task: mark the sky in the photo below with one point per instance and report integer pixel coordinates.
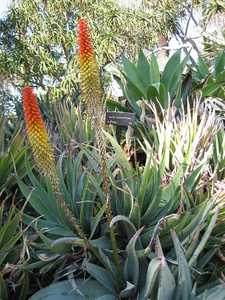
(4, 4)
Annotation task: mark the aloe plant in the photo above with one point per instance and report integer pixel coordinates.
(56, 239)
(73, 128)
(140, 196)
(11, 247)
(219, 155)
(137, 199)
(145, 231)
(74, 289)
(152, 277)
(12, 156)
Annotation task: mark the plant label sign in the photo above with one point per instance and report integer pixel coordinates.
(120, 118)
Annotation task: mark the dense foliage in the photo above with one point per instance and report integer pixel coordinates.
(96, 211)
(38, 38)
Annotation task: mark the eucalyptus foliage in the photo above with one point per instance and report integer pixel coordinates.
(38, 38)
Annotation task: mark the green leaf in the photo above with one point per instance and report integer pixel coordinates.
(204, 239)
(192, 181)
(7, 232)
(133, 95)
(169, 190)
(166, 283)
(149, 187)
(38, 202)
(154, 70)
(24, 290)
(220, 78)
(217, 292)
(166, 280)
(86, 206)
(171, 75)
(151, 277)
(130, 71)
(95, 222)
(102, 276)
(211, 88)
(3, 289)
(112, 105)
(202, 68)
(131, 267)
(65, 244)
(219, 63)
(184, 290)
(101, 242)
(84, 289)
(163, 95)
(152, 93)
(120, 156)
(135, 215)
(143, 69)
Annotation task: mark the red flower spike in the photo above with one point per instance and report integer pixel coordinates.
(89, 72)
(38, 136)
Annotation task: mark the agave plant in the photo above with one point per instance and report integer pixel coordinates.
(145, 81)
(178, 82)
(173, 190)
(210, 79)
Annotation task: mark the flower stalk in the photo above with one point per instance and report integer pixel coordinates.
(93, 98)
(92, 95)
(43, 151)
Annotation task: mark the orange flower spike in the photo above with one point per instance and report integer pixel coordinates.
(38, 136)
(89, 72)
